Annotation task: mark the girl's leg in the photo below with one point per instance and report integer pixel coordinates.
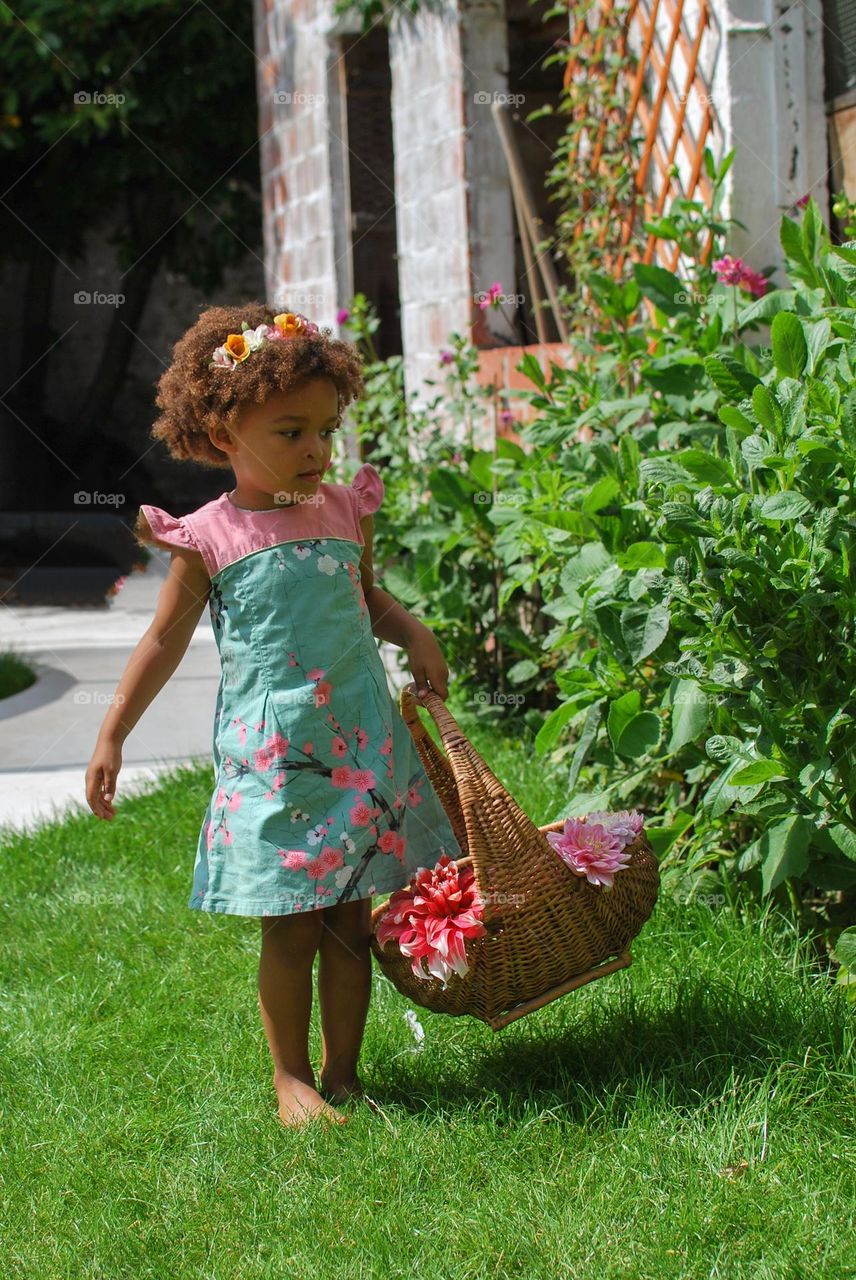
(289, 944)
(344, 989)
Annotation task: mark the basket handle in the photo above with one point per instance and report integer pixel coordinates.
(484, 801)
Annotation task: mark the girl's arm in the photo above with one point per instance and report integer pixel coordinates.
(392, 622)
(182, 598)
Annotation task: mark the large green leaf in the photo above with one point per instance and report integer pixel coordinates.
(758, 771)
(640, 736)
(641, 555)
(690, 714)
(787, 505)
(790, 352)
(586, 741)
(621, 712)
(663, 288)
(644, 629)
(784, 850)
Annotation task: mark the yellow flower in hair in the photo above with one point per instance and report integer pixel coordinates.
(236, 345)
(289, 322)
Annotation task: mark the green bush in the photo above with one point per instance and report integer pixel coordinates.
(697, 559)
(670, 556)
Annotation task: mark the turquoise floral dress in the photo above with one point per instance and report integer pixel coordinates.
(319, 794)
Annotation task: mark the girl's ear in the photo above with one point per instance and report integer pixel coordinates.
(221, 438)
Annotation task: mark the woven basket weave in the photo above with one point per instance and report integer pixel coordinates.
(549, 930)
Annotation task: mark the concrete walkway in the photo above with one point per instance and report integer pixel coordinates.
(48, 732)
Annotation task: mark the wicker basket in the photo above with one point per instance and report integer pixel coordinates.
(549, 930)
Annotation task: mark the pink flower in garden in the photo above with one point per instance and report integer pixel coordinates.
(446, 357)
(735, 271)
(342, 315)
(431, 919)
(507, 418)
(755, 282)
(590, 850)
(728, 270)
(489, 299)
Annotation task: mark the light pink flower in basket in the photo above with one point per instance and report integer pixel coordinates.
(431, 919)
(594, 847)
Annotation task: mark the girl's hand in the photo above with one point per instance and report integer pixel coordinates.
(427, 663)
(101, 778)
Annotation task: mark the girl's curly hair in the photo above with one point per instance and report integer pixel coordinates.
(193, 397)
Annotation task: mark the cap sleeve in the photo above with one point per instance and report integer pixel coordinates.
(169, 529)
(368, 486)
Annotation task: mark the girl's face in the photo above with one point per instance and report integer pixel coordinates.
(284, 445)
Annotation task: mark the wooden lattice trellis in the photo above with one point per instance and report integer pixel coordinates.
(662, 41)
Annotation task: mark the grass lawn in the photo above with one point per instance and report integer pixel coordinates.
(691, 1116)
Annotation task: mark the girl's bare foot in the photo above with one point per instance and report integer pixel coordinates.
(342, 1091)
(300, 1102)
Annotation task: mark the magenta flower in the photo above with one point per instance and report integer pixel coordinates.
(491, 296)
(446, 357)
(342, 315)
(595, 850)
(735, 271)
(432, 918)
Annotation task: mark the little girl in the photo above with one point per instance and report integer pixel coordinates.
(320, 799)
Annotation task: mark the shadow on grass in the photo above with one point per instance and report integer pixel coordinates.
(683, 1047)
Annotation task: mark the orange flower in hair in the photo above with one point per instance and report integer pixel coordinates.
(238, 346)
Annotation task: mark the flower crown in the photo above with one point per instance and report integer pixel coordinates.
(238, 346)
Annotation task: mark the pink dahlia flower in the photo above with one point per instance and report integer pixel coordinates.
(595, 850)
(431, 919)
